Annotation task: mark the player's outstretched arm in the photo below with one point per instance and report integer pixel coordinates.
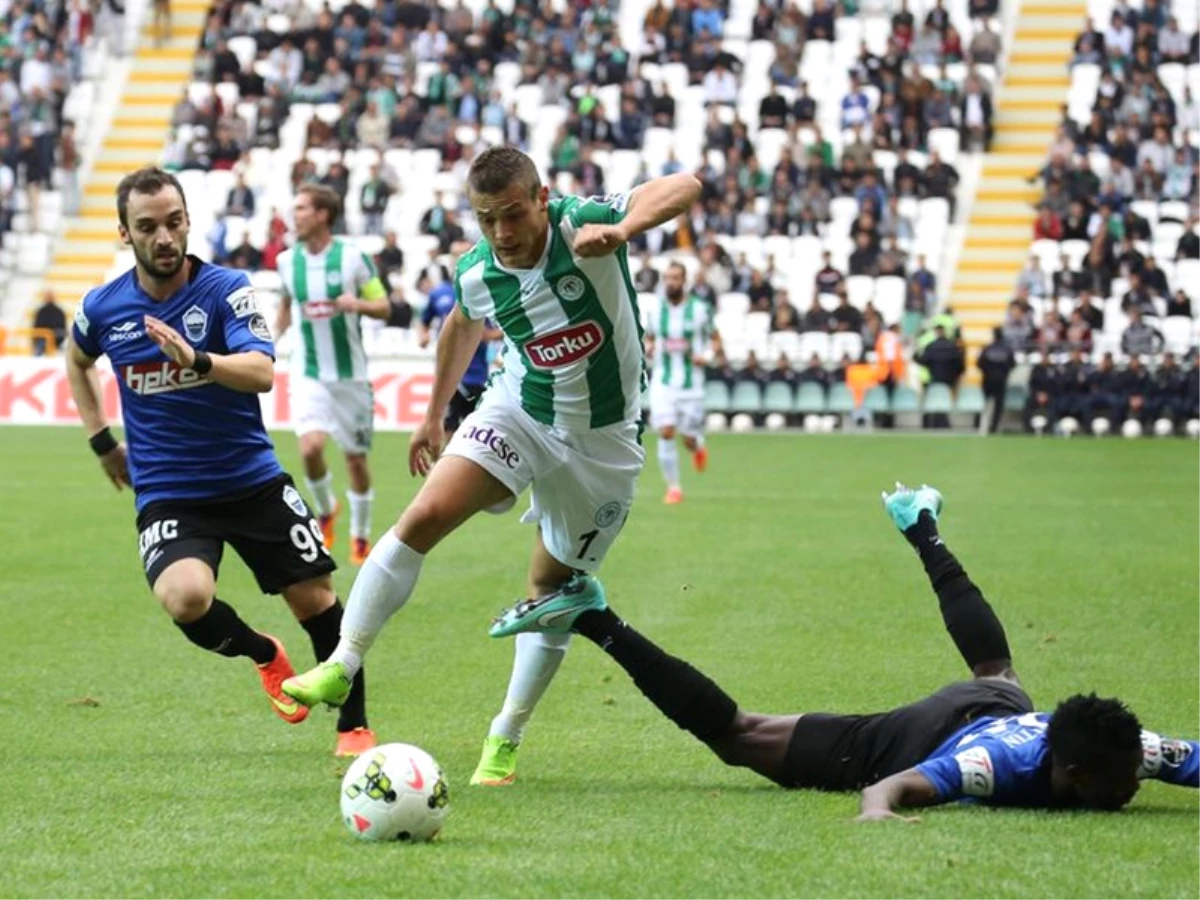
(85, 389)
(659, 200)
(456, 345)
(904, 789)
(250, 371)
(378, 308)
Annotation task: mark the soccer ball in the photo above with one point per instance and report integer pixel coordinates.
(1193, 428)
(1164, 427)
(776, 422)
(742, 423)
(395, 792)
(1068, 426)
(1131, 428)
(1101, 426)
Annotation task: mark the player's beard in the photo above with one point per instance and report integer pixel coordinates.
(158, 267)
(675, 296)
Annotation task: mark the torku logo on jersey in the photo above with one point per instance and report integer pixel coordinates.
(565, 346)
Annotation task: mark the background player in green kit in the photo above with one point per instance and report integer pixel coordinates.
(329, 285)
(678, 340)
(561, 419)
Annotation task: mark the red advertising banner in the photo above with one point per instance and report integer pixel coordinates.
(34, 391)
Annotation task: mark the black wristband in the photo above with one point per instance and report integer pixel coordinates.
(102, 442)
(202, 364)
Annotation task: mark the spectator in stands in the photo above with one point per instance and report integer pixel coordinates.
(1018, 328)
(783, 373)
(1044, 389)
(945, 361)
(1179, 304)
(69, 163)
(1188, 246)
(720, 370)
(1078, 334)
(1066, 282)
(785, 318)
(1154, 278)
(1032, 277)
(752, 372)
(940, 179)
(1136, 389)
(390, 258)
(855, 105)
(1074, 386)
(892, 260)
(773, 109)
(1138, 297)
(760, 291)
(1047, 226)
(975, 115)
(985, 45)
(845, 316)
(1130, 260)
(373, 198)
(720, 86)
(1173, 44)
(49, 317)
(1140, 337)
(1052, 334)
(1168, 393)
(245, 256)
(813, 373)
(1075, 224)
(864, 260)
(816, 317)
(827, 278)
(995, 362)
(240, 199)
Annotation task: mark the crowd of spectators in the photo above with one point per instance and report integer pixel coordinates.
(1119, 192)
(424, 76)
(42, 44)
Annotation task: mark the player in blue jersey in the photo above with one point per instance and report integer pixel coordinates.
(440, 304)
(978, 740)
(191, 352)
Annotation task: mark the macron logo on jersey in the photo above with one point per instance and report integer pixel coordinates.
(152, 378)
(126, 331)
(566, 346)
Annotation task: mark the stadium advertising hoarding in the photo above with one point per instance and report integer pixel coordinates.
(34, 391)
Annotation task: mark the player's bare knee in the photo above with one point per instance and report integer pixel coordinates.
(358, 472)
(182, 599)
(689, 441)
(667, 433)
(310, 598)
(312, 447)
(425, 522)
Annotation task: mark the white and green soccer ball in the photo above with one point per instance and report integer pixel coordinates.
(395, 792)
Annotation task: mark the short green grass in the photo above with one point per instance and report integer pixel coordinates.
(779, 576)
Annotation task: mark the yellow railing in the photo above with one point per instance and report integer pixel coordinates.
(20, 341)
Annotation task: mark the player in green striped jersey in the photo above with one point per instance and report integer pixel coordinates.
(562, 418)
(679, 338)
(329, 285)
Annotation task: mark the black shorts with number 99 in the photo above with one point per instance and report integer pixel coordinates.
(269, 526)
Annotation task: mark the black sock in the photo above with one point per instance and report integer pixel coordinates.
(687, 697)
(323, 630)
(221, 630)
(969, 618)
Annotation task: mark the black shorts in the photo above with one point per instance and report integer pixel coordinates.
(270, 527)
(462, 404)
(847, 753)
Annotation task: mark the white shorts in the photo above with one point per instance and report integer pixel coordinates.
(583, 481)
(343, 409)
(674, 408)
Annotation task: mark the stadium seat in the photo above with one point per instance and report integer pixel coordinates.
(876, 400)
(840, 400)
(747, 397)
(1015, 396)
(970, 400)
(905, 400)
(810, 398)
(716, 396)
(937, 399)
(845, 343)
(778, 398)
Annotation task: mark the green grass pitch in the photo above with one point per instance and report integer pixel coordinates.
(136, 765)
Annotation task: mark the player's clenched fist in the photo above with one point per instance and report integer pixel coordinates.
(170, 341)
(598, 240)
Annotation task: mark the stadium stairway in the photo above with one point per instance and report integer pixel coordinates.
(1028, 109)
(136, 137)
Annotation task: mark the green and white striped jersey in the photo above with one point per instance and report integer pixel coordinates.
(330, 346)
(681, 333)
(572, 333)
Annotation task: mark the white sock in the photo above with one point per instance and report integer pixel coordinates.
(321, 491)
(538, 657)
(383, 585)
(360, 513)
(668, 461)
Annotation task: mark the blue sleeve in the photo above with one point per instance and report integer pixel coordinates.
(970, 772)
(1173, 761)
(244, 326)
(84, 333)
(428, 314)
